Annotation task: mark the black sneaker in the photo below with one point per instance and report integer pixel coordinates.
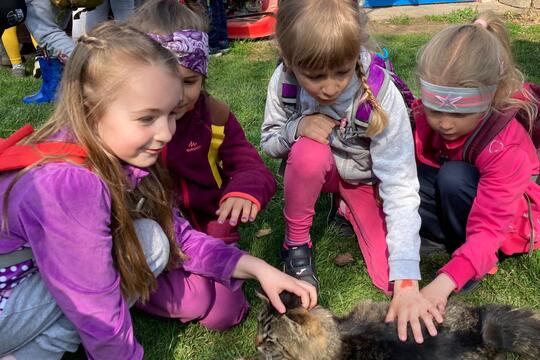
(344, 226)
(334, 217)
(298, 262)
(221, 49)
(429, 247)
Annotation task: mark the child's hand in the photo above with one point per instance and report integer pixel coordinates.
(316, 127)
(438, 291)
(273, 282)
(408, 305)
(235, 207)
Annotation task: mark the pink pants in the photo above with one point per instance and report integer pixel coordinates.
(311, 170)
(191, 297)
(198, 298)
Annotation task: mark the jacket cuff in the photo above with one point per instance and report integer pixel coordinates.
(228, 281)
(243, 196)
(291, 127)
(460, 270)
(404, 269)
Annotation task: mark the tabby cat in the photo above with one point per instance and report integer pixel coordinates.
(484, 332)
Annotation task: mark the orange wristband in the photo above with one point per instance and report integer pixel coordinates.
(405, 283)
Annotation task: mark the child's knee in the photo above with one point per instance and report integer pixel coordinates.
(308, 158)
(455, 176)
(154, 243)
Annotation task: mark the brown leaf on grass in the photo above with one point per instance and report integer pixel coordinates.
(343, 259)
(263, 232)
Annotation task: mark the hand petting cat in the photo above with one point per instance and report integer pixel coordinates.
(438, 291)
(409, 306)
(274, 282)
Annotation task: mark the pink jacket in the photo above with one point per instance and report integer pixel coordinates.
(499, 218)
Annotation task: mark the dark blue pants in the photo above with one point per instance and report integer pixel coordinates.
(217, 37)
(446, 197)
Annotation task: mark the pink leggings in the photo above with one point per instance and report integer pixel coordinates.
(311, 170)
(191, 297)
(199, 298)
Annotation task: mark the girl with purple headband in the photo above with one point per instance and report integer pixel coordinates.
(476, 161)
(220, 179)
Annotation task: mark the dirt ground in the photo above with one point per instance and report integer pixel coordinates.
(421, 25)
(386, 27)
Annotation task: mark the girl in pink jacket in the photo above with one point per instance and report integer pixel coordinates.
(478, 197)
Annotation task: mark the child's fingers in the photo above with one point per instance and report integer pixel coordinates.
(312, 293)
(254, 212)
(441, 307)
(402, 327)
(430, 326)
(391, 315)
(224, 211)
(324, 134)
(416, 330)
(275, 301)
(297, 289)
(327, 126)
(246, 211)
(235, 213)
(437, 313)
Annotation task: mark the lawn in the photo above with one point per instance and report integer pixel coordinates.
(240, 79)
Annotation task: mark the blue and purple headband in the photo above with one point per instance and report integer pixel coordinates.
(189, 46)
(457, 99)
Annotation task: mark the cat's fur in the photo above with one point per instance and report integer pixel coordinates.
(484, 332)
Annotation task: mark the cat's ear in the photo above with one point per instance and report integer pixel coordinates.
(308, 322)
(290, 300)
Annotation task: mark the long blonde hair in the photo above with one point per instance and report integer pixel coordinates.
(97, 68)
(476, 55)
(325, 34)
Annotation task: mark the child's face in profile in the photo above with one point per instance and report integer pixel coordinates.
(325, 85)
(193, 82)
(452, 126)
(141, 120)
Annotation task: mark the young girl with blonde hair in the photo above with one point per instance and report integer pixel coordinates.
(477, 163)
(332, 147)
(88, 223)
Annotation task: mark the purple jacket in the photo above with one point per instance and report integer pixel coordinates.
(63, 212)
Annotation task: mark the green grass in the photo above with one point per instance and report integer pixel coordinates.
(240, 79)
(458, 16)
(400, 20)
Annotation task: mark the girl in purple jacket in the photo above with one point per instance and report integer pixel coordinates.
(221, 180)
(101, 229)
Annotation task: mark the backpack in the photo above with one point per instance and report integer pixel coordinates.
(16, 157)
(376, 79)
(494, 124)
(74, 4)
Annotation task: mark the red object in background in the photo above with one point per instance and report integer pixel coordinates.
(254, 25)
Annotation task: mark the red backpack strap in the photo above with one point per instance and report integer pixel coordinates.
(14, 157)
(15, 137)
(490, 127)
